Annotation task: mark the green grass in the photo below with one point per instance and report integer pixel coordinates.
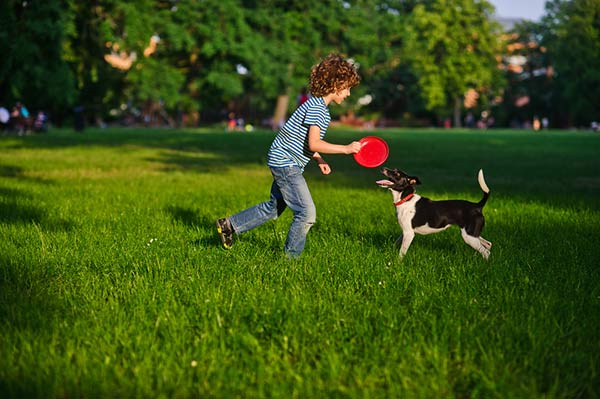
(113, 282)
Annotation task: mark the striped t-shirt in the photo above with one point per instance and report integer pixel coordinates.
(290, 146)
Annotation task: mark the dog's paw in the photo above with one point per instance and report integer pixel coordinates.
(485, 243)
(485, 253)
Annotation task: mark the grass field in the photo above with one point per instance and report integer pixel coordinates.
(113, 282)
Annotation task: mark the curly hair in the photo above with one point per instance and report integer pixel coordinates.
(332, 75)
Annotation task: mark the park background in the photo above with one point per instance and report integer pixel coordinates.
(193, 63)
(113, 282)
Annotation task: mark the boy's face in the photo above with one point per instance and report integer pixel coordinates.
(339, 97)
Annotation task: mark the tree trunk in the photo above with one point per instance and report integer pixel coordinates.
(280, 111)
(457, 109)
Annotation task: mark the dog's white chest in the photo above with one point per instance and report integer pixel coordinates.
(405, 214)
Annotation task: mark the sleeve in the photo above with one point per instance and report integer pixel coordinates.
(315, 116)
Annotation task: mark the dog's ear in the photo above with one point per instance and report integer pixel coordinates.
(414, 180)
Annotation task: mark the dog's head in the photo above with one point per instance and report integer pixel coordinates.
(399, 181)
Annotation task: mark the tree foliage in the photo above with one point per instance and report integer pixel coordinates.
(452, 46)
(529, 71)
(32, 67)
(573, 38)
(416, 57)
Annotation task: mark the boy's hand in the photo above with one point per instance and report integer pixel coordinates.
(325, 168)
(353, 147)
(323, 165)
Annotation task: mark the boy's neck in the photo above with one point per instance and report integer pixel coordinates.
(328, 98)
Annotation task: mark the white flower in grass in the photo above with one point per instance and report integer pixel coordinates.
(194, 363)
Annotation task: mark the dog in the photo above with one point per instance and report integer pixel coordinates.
(421, 215)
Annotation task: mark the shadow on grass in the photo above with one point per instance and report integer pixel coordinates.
(25, 301)
(10, 171)
(264, 236)
(200, 151)
(446, 161)
(14, 211)
(203, 224)
(28, 304)
(17, 172)
(186, 216)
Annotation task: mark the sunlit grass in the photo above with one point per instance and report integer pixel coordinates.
(113, 283)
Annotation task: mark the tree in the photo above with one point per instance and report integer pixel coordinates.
(573, 41)
(376, 37)
(452, 46)
(529, 72)
(213, 55)
(32, 68)
(291, 36)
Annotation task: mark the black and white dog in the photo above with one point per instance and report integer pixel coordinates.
(421, 215)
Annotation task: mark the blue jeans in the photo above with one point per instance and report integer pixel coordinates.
(289, 189)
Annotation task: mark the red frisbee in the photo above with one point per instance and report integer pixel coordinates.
(374, 152)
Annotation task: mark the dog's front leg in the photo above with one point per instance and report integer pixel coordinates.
(407, 238)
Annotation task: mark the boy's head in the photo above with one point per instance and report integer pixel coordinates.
(332, 75)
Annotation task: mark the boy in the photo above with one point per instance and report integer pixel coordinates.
(299, 141)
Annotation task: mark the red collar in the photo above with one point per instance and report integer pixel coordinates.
(402, 201)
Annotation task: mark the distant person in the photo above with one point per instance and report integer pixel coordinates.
(302, 97)
(231, 122)
(239, 124)
(25, 118)
(470, 120)
(4, 119)
(40, 124)
(79, 118)
(20, 118)
(23, 110)
(299, 140)
(536, 123)
(15, 119)
(545, 123)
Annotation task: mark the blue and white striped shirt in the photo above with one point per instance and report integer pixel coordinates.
(290, 146)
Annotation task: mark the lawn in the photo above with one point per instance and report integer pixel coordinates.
(113, 282)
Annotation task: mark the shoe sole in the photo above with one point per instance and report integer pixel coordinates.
(222, 236)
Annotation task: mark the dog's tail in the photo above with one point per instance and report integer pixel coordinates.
(484, 187)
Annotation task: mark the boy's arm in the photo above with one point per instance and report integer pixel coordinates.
(317, 157)
(315, 144)
(323, 165)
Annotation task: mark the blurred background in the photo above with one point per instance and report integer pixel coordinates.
(245, 63)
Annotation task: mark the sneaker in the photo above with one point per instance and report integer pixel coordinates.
(225, 231)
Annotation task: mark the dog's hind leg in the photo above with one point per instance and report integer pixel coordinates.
(476, 243)
(485, 243)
